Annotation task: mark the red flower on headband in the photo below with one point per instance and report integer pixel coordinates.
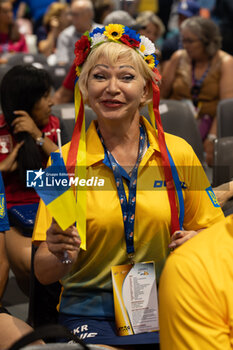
(82, 49)
(129, 41)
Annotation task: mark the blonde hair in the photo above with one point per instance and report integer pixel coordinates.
(146, 17)
(112, 52)
(54, 10)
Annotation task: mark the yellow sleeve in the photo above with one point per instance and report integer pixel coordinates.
(201, 206)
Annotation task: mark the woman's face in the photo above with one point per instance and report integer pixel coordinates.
(42, 110)
(193, 45)
(151, 31)
(115, 92)
(6, 13)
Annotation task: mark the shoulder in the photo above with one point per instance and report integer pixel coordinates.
(178, 146)
(177, 57)
(224, 58)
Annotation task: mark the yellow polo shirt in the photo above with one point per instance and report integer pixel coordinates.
(88, 288)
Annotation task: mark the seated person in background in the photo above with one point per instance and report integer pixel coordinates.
(26, 121)
(118, 75)
(11, 329)
(82, 14)
(4, 225)
(11, 40)
(201, 74)
(195, 292)
(172, 43)
(56, 19)
(101, 9)
(151, 26)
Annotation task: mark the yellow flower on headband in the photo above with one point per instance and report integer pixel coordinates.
(150, 60)
(114, 31)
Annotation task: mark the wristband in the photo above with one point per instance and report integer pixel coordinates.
(40, 140)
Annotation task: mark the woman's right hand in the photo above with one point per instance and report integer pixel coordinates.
(60, 241)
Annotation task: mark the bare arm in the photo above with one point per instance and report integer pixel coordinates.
(63, 95)
(48, 45)
(169, 71)
(50, 253)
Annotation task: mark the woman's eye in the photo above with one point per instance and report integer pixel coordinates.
(99, 76)
(128, 77)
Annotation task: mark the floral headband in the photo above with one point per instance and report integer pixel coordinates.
(115, 33)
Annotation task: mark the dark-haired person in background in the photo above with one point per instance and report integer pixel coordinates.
(28, 123)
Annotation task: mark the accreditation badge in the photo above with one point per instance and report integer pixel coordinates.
(135, 298)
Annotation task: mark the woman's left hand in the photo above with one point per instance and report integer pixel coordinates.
(179, 237)
(25, 123)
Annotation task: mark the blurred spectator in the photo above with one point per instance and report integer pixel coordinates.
(37, 10)
(200, 73)
(224, 12)
(186, 9)
(4, 225)
(27, 137)
(120, 17)
(151, 26)
(82, 13)
(130, 6)
(102, 8)
(11, 40)
(56, 19)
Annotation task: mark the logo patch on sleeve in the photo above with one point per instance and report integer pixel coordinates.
(2, 205)
(212, 197)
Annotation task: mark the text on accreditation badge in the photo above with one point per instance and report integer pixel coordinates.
(135, 298)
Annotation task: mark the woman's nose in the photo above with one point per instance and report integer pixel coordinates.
(113, 86)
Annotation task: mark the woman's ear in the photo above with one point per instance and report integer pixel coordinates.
(146, 93)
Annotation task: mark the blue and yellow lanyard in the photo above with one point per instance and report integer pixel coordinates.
(127, 207)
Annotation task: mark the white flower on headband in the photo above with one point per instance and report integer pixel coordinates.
(146, 46)
(97, 39)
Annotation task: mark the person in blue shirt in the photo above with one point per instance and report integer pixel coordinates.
(4, 226)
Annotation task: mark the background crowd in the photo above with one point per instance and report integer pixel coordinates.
(193, 40)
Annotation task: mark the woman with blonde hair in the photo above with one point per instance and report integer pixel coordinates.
(55, 20)
(153, 196)
(150, 25)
